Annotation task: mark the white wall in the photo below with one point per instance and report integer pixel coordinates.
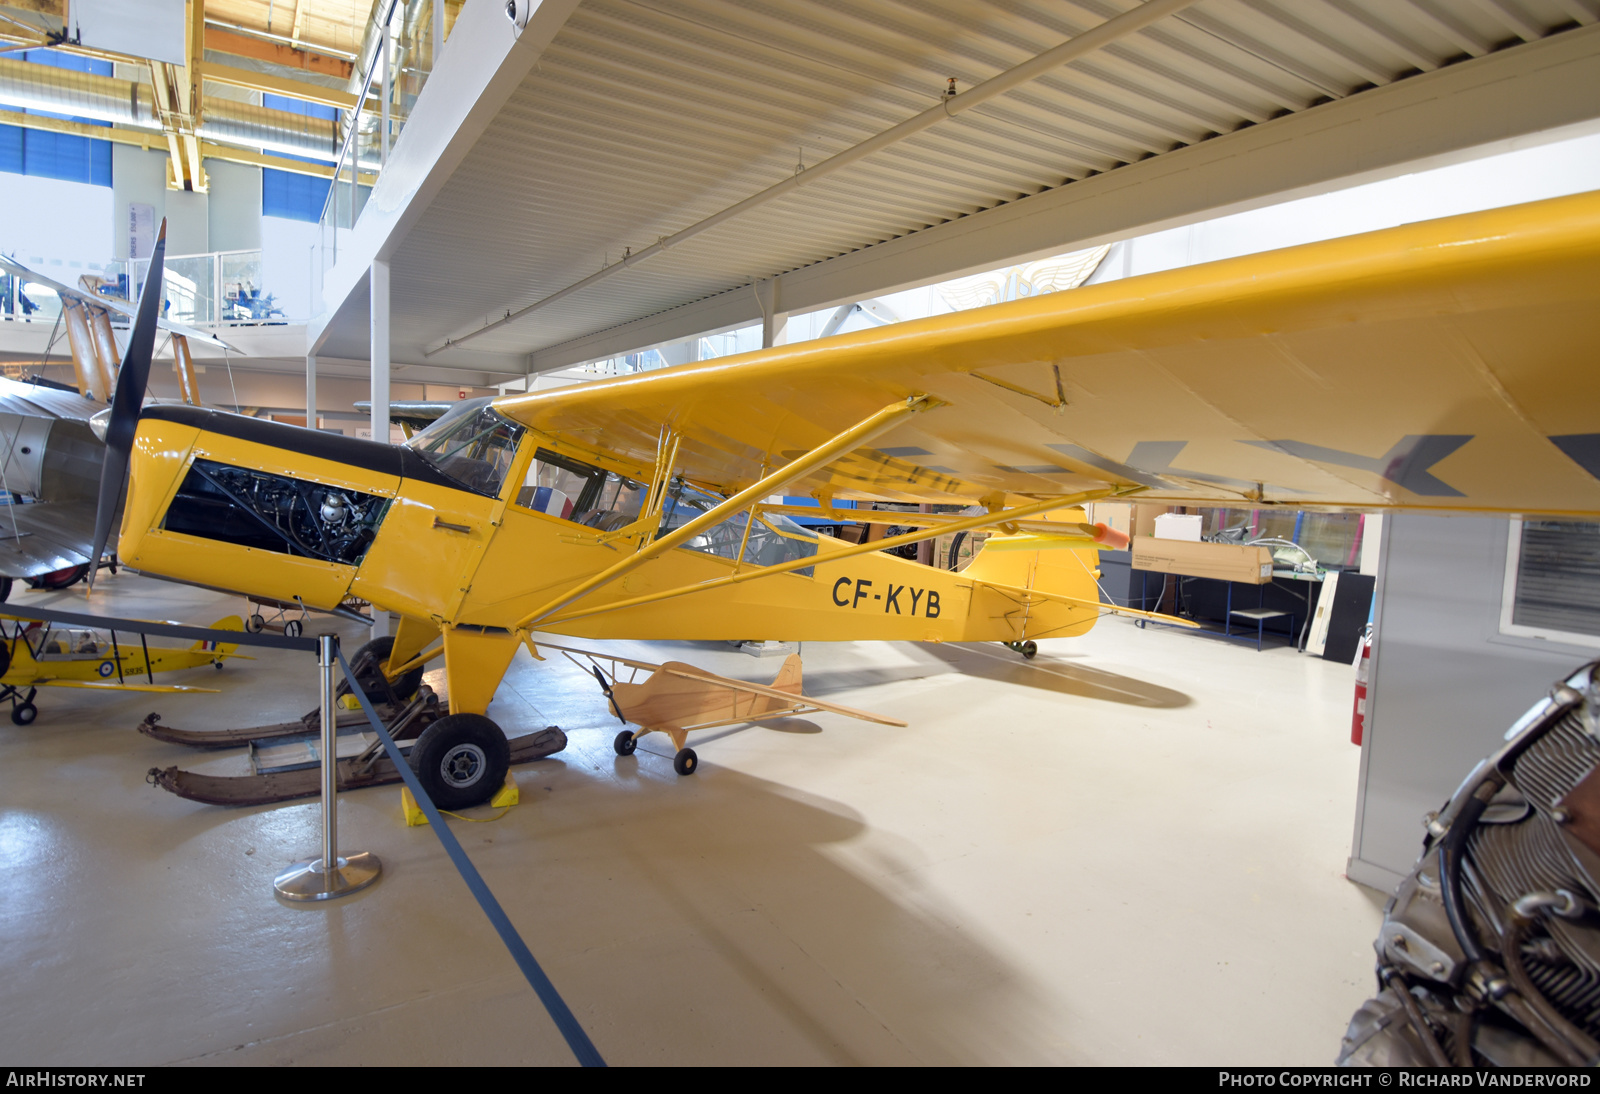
(286, 263)
(233, 207)
(61, 229)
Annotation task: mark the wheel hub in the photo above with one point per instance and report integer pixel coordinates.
(463, 765)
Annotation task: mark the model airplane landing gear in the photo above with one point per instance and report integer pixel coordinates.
(23, 712)
(461, 760)
(685, 762)
(625, 743)
(1028, 649)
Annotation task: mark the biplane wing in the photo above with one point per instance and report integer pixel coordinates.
(97, 686)
(1444, 366)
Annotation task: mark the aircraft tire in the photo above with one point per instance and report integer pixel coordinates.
(685, 762)
(5, 589)
(23, 714)
(368, 665)
(1029, 649)
(461, 760)
(625, 743)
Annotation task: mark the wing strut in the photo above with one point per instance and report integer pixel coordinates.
(985, 520)
(859, 434)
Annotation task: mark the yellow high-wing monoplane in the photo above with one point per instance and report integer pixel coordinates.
(34, 656)
(1445, 366)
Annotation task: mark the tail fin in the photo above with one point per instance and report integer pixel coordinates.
(221, 649)
(787, 680)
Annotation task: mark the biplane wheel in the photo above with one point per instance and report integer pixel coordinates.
(255, 624)
(461, 760)
(23, 714)
(291, 629)
(625, 743)
(368, 664)
(685, 761)
(1028, 649)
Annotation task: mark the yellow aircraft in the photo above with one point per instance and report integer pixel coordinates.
(35, 656)
(1444, 366)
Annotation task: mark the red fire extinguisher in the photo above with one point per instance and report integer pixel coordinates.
(1358, 718)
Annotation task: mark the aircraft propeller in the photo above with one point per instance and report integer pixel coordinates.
(126, 402)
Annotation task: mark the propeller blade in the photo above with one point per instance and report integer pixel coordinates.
(127, 401)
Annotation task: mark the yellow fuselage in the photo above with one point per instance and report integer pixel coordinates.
(473, 566)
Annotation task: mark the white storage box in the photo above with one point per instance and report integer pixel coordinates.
(1178, 526)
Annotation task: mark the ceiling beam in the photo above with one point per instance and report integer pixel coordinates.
(1525, 94)
(276, 85)
(227, 41)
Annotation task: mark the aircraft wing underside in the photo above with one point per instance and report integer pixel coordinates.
(54, 536)
(1441, 366)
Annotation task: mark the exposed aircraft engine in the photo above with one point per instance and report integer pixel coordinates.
(275, 512)
(1490, 950)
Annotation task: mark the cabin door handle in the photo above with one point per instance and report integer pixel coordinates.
(447, 526)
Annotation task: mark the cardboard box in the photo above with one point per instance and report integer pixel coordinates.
(1221, 561)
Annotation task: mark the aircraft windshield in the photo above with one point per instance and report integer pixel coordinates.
(472, 444)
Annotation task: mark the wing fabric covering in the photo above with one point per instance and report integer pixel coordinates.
(1440, 366)
(132, 378)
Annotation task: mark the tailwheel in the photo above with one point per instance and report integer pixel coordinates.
(685, 762)
(1028, 649)
(625, 743)
(461, 760)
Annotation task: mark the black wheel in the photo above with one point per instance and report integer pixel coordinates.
(217, 665)
(368, 664)
(625, 743)
(292, 628)
(461, 760)
(1028, 649)
(255, 624)
(685, 761)
(5, 589)
(60, 579)
(1139, 623)
(24, 713)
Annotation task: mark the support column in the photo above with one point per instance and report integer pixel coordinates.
(774, 320)
(311, 391)
(379, 278)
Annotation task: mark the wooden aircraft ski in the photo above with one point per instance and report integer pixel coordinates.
(677, 699)
(1443, 367)
(35, 656)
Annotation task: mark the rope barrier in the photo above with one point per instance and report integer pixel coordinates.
(560, 1013)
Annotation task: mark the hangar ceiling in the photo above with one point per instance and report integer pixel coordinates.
(642, 118)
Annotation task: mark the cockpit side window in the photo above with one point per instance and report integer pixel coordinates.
(572, 490)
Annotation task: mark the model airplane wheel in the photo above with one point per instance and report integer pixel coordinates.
(5, 589)
(625, 743)
(1028, 649)
(461, 760)
(292, 629)
(255, 624)
(23, 714)
(685, 761)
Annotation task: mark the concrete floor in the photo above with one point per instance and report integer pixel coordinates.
(1128, 851)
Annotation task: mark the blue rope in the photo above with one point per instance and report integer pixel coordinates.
(577, 1040)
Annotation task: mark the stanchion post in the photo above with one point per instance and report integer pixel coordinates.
(329, 876)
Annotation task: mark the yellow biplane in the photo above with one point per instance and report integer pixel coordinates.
(34, 656)
(1444, 366)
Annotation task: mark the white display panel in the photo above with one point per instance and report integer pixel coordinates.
(138, 28)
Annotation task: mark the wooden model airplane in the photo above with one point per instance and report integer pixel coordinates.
(35, 656)
(1443, 367)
